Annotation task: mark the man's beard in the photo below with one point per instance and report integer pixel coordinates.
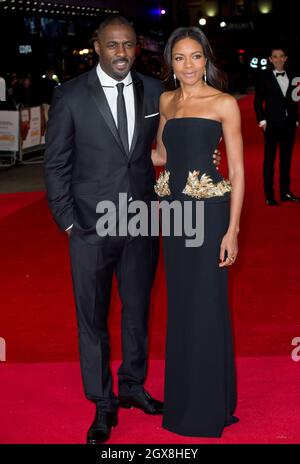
(120, 74)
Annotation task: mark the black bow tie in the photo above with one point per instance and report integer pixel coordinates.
(280, 74)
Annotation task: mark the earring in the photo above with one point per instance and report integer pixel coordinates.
(175, 80)
(204, 76)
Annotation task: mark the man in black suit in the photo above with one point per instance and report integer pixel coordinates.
(98, 145)
(99, 137)
(277, 114)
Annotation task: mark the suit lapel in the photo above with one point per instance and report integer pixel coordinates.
(138, 89)
(99, 98)
(290, 87)
(276, 85)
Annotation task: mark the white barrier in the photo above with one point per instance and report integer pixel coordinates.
(21, 132)
(9, 130)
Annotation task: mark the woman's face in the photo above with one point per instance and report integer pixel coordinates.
(188, 61)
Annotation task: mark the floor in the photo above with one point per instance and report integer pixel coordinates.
(22, 178)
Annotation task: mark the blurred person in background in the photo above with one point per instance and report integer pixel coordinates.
(277, 115)
(47, 85)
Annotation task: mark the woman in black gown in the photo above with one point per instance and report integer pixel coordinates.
(200, 391)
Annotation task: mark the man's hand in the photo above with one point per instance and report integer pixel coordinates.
(217, 158)
(263, 125)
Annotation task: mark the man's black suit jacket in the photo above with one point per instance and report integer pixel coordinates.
(85, 161)
(271, 105)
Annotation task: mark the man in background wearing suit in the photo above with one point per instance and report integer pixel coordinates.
(277, 114)
(98, 144)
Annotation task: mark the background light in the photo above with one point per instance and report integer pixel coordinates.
(202, 21)
(254, 63)
(211, 12)
(163, 12)
(211, 8)
(223, 24)
(265, 6)
(84, 51)
(263, 63)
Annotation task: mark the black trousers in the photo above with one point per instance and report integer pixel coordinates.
(285, 139)
(134, 261)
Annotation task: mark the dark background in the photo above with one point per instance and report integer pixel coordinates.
(57, 30)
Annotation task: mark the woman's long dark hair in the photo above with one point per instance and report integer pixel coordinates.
(214, 76)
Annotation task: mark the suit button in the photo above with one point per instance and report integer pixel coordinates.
(128, 165)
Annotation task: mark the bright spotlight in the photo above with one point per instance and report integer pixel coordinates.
(202, 21)
(223, 24)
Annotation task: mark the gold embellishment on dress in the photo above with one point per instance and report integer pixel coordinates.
(162, 184)
(204, 187)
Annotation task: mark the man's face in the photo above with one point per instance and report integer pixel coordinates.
(278, 59)
(116, 49)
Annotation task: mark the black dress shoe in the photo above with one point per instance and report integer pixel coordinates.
(143, 401)
(271, 202)
(99, 432)
(289, 197)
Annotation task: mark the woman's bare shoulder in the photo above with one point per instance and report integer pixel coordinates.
(226, 103)
(226, 98)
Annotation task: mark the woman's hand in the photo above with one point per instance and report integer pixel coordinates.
(217, 158)
(157, 158)
(228, 249)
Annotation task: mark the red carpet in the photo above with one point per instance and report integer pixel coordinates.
(37, 317)
(33, 395)
(13, 202)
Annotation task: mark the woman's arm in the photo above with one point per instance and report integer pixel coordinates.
(159, 154)
(231, 125)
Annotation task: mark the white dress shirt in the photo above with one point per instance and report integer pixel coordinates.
(111, 92)
(283, 81)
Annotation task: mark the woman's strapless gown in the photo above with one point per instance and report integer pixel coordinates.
(200, 392)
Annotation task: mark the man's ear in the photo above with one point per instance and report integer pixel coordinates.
(97, 47)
